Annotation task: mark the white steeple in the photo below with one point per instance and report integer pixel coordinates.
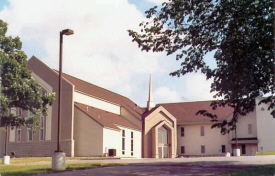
(150, 103)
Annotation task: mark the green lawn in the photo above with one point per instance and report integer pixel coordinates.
(41, 159)
(265, 153)
(266, 170)
(22, 166)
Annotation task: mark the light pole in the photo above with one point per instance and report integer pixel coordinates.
(64, 32)
(58, 160)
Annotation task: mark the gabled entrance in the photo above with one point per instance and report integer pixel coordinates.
(159, 134)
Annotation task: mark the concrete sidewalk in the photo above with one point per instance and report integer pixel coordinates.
(174, 167)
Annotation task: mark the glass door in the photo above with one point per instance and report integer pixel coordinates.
(163, 147)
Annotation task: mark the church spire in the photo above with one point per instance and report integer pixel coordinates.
(150, 102)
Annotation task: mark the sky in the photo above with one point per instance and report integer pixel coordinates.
(101, 51)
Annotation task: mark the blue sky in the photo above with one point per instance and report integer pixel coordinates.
(3, 3)
(100, 51)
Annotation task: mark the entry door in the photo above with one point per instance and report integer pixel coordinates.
(163, 147)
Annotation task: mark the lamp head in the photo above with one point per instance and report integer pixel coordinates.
(67, 32)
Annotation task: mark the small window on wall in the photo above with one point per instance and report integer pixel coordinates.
(19, 112)
(223, 148)
(41, 130)
(18, 134)
(43, 91)
(202, 130)
(13, 111)
(249, 128)
(31, 114)
(123, 142)
(182, 131)
(132, 143)
(30, 134)
(182, 149)
(202, 149)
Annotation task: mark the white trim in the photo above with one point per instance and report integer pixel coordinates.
(97, 103)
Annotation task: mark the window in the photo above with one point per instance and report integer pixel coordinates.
(182, 131)
(19, 112)
(249, 128)
(123, 142)
(243, 149)
(31, 114)
(18, 134)
(202, 130)
(13, 111)
(30, 134)
(182, 149)
(132, 143)
(202, 149)
(43, 91)
(41, 130)
(223, 148)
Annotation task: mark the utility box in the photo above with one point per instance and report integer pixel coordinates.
(112, 152)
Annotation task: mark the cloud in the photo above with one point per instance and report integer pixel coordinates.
(166, 95)
(197, 88)
(100, 51)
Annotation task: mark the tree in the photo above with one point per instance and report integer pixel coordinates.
(239, 32)
(18, 88)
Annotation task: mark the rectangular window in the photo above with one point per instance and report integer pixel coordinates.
(243, 149)
(13, 111)
(43, 91)
(182, 131)
(223, 148)
(41, 130)
(123, 142)
(249, 128)
(182, 149)
(132, 143)
(19, 112)
(202, 149)
(31, 114)
(30, 134)
(18, 134)
(202, 130)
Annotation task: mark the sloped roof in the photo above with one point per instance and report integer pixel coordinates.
(105, 94)
(186, 111)
(106, 119)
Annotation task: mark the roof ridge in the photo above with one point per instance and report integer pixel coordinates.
(186, 102)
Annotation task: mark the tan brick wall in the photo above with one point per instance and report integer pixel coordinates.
(37, 148)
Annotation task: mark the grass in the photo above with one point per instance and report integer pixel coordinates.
(22, 166)
(265, 170)
(29, 160)
(265, 153)
(42, 159)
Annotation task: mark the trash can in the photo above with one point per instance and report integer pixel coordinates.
(112, 152)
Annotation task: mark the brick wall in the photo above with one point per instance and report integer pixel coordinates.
(37, 148)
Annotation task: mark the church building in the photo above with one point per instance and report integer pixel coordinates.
(99, 122)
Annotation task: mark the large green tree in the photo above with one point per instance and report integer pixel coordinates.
(18, 88)
(239, 32)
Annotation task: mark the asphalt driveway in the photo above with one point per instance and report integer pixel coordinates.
(178, 166)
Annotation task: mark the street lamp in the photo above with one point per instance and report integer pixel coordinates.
(58, 159)
(64, 32)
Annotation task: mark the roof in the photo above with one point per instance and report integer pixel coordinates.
(105, 94)
(186, 111)
(106, 119)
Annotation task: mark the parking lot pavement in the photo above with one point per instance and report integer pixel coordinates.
(174, 167)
